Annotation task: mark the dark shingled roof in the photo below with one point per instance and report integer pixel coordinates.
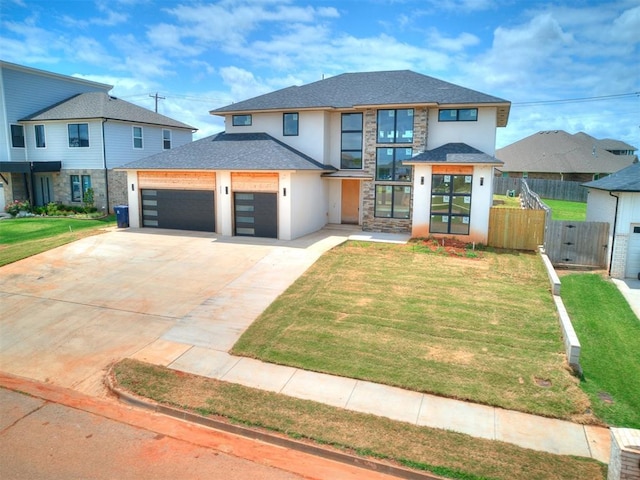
(454, 153)
(102, 105)
(349, 90)
(625, 180)
(230, 151)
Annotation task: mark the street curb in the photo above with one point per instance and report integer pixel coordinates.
(273, 439)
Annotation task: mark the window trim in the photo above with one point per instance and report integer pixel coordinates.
(393, 164)
(134, 138)
(44, 135)
(284, 124)
(164, 140)
(395, 125)
(82, 180)
(79, 139)
(457, 116)
(451, 193)
(393, 200)
(360, 131)
(235, 120)
(14, 137)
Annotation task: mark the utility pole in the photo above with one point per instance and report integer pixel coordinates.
(157, 97)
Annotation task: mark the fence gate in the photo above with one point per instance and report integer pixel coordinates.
(577, 243)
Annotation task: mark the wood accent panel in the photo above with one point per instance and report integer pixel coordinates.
(177, 180)
(452, 169)
(254, 182)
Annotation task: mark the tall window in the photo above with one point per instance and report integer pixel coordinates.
(450, 204)
(241, 120)
(351, 141)
(166, 139)
(289, 124)
(17, 136)
(137, 137)
(79, 186)
(395, 126)
(389, 164)
(392, 201)
(40, 139)
(458, 115)
(78, 134)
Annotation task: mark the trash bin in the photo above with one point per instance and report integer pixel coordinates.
(122, 215)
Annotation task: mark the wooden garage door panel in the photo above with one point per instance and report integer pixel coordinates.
(179, 209)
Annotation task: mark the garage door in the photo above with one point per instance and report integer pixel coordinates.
(633, 252)
(256, 214)
(178, 209)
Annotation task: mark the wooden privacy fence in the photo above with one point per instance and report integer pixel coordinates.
(577, 243)
(516, 229)
(555, 189)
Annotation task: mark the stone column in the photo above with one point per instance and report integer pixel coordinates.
(625, 454)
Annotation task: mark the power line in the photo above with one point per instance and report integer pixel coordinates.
(576, 100)
(157, 98)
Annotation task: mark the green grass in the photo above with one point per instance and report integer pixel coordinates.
(23, 237)
(609, 334)
(567, 210)
(450, 454)
(480, 329)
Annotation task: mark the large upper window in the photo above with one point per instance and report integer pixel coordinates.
(79, 186)
(17, 136)
(351, 141)
(389, 164)
(78, 134)
(289, 124)
(450, 204)
(166, 139)
(137, 137)
(241, 120)
(40, 137)
(392, 201)
(395, 126)
(458, 115)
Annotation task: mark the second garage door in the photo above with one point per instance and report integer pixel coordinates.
(178, 209)
(256, 214)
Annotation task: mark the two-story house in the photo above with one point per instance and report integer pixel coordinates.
(62, 135)
(392, 151)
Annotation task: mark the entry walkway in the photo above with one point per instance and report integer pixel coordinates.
(200, 342)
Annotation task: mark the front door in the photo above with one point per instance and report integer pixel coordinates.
(350, 201)
(43, 189)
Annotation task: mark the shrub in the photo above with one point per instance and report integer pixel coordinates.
(18, 206)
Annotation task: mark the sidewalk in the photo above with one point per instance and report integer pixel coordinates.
(199, 345)
(630, 290)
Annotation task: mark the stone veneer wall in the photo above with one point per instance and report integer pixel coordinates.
(117, 189)
(62, 186)
(371, 223)
(625, 454)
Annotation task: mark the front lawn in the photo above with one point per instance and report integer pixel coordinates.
(23, 237)
(480, 329)
(609, 334)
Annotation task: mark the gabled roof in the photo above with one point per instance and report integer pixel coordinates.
(606, 143)
(560, 152)
(44, 73)
(625, 180)
(230, 151)
(454, 153)
(353, 90)
(101, 105)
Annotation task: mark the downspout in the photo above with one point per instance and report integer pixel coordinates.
(613, 237)
(104, 162)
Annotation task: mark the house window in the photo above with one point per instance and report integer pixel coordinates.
(241, 120)
(78, 134)
(137, 137)
(392, 201)
(458, 115)
(166, 139)
(289, 124)
(450, 204)
(79, 186)
(40, 138)
(389, 164)
(351, 141)
(395, 126)
(17, 136)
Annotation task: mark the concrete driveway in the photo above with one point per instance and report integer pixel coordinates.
(68, 313)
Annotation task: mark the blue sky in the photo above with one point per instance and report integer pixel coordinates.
(572, 65)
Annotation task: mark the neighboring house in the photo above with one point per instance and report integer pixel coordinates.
(392, 151)
(616, 199)
(558, 155)
(63, 135)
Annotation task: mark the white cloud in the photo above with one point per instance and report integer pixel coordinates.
(457, 44)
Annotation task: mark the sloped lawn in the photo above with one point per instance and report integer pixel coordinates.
(482, 329)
